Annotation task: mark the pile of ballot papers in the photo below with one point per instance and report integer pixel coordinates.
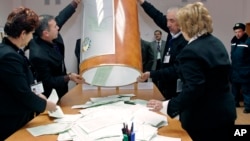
(103, 118)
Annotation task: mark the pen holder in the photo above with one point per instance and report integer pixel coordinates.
(130, 137)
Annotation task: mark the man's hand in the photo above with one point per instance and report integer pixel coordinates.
(77, 1)
(143, 77)
(140, 1)
(76, 78)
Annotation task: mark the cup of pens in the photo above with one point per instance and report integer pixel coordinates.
(128, 134)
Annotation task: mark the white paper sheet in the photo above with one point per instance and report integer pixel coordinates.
(54, 98)
(53, 128)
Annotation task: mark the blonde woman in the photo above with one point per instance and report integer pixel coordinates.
(205, 104)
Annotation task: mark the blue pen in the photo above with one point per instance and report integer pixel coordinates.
(132, 133)
(132, 136)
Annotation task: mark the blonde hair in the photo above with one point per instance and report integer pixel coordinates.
(194, 19)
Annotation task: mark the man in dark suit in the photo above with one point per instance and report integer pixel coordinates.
(158, 47)
(47, 52)
(175, 42)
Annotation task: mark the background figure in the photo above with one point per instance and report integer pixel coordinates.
(78, 53)
(147, 56)
(158, 47)
(175, 42)
(47, 52)
(240, 56)
(17, 101)
(205, 104)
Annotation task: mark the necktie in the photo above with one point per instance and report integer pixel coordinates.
(20, 52)
(158, 46)
(158, 50)
(169, 45)
(158, 64)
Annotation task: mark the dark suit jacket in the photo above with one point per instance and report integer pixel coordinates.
(17, 102)
(205, 100)
(154, 45)
(48, 63)
(167, 74)
(147, 56)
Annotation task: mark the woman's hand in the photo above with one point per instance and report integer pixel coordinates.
(155, 105)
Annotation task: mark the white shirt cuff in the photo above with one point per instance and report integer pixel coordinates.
(165, 108)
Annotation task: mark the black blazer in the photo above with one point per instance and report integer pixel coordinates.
(206, 100)
(48, 63)
(17, 102)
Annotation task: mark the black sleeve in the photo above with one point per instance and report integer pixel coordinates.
(158, 17)
(64, 15)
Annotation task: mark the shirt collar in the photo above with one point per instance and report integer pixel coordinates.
(175, 35)
(197, 36)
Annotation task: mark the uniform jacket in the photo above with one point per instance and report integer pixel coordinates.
(205, 101)
(48, 63)
(17, 102)
(240, 56)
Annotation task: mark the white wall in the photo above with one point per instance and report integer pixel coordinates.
(4, 11)
(225, 14)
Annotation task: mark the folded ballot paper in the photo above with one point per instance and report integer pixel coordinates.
(49, 129)
(144, 116)
(54, 98)
(99, 101)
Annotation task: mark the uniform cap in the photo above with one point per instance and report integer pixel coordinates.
(239, 26)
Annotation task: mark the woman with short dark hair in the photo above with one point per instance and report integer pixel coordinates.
(18, 104)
